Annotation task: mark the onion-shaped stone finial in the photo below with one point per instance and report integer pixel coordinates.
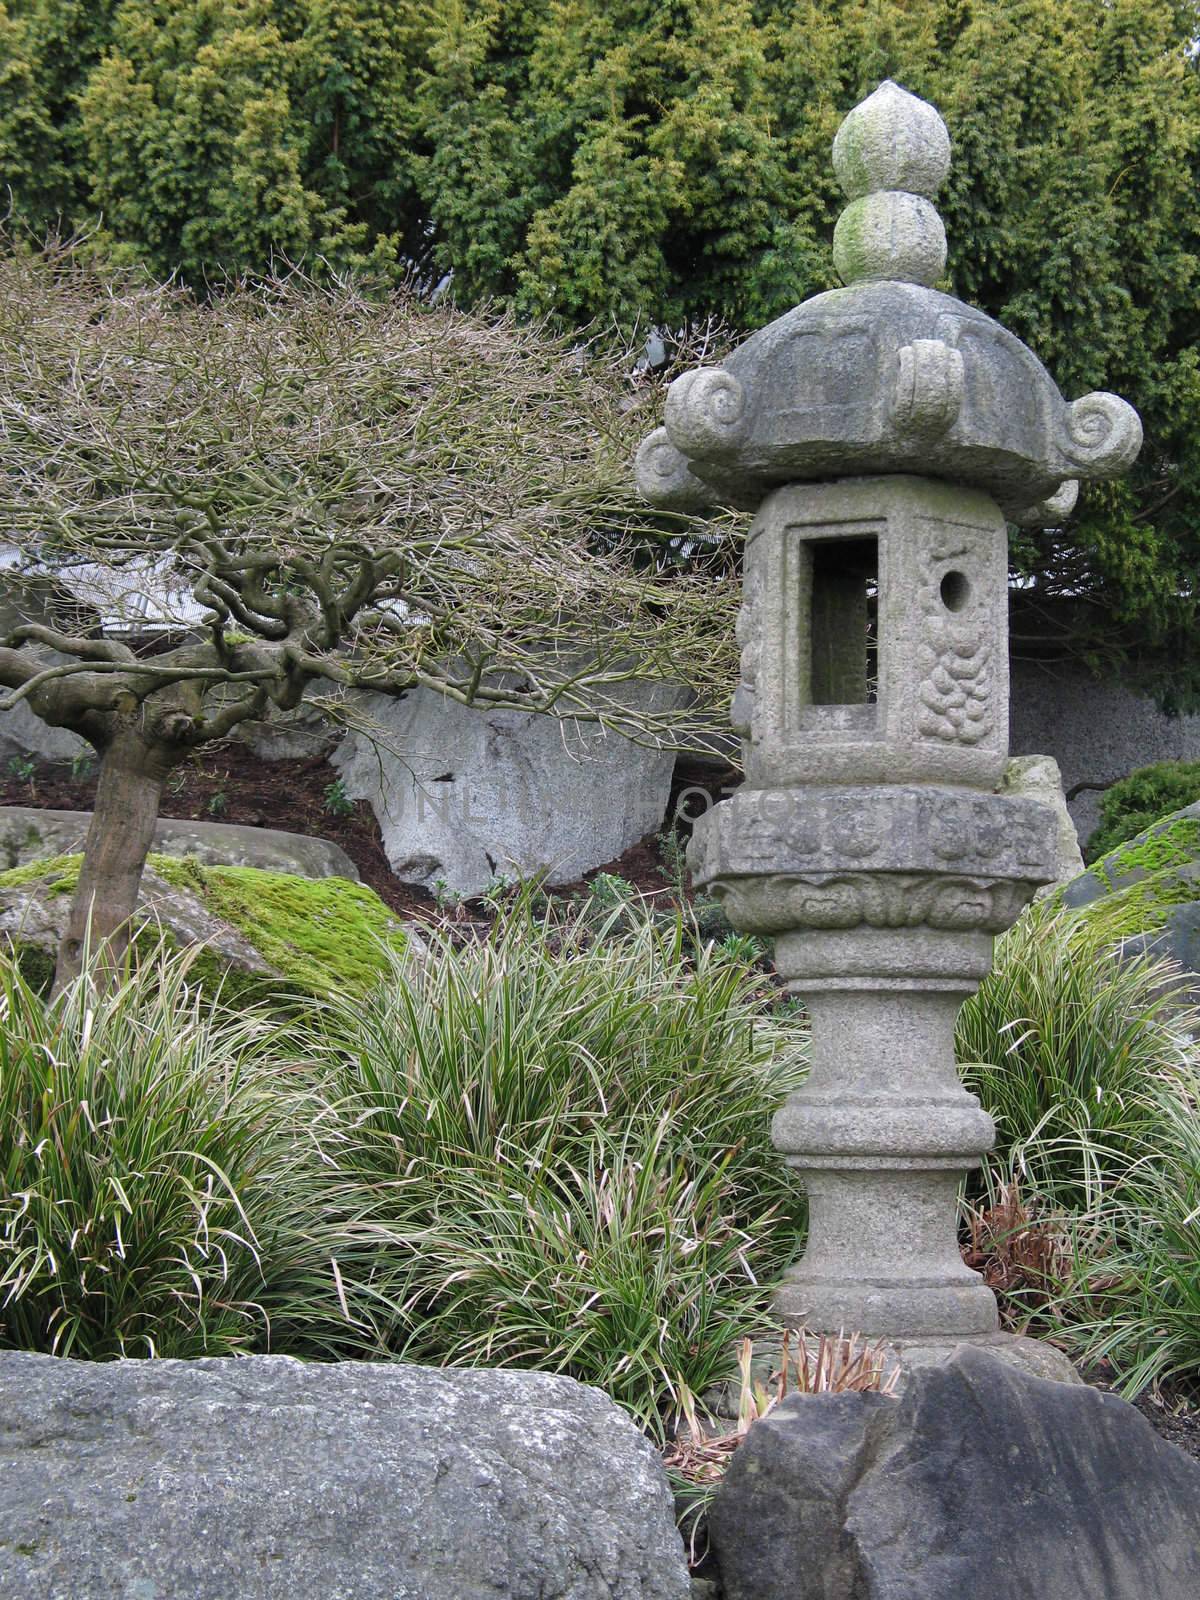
(891, 155)
(892, 140)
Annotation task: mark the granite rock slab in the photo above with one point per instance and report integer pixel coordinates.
(30, 833)
(264, 1478)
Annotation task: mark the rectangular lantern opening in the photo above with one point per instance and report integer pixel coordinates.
(845, 596)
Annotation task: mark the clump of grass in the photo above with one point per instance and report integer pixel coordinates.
(551, 1149)
(1133, 1296)
(1064, 1044)
(149, 1185)
(1086, 1057)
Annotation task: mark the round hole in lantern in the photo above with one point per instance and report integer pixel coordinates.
(955, 591)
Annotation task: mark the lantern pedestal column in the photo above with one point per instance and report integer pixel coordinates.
(884, 434)
(882, 1133)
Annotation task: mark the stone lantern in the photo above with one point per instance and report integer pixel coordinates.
(884, 433)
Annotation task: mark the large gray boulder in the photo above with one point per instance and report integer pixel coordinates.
(463, 796)
(28, 833)
(979, 1481)
(266, 1479)
(25, 737)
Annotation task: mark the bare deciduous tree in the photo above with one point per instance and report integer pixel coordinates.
(321, 484)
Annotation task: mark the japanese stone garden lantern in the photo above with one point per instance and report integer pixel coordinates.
(884, 433)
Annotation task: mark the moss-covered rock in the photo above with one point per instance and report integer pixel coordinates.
(254, 931)
(1146, 892)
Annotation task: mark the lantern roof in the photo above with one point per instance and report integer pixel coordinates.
(887, 374)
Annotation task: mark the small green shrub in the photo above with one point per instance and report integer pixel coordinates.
(1141, 799)
(551, 1149)
(151, 1182)
(707, 913)
(23, 770)
(337, 802)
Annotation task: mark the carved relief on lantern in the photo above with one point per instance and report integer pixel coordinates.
(958, 644)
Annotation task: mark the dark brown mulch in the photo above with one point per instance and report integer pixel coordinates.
(1181, 1427)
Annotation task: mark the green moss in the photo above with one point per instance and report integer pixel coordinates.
(319, 934)
(851, 242)
(1142, 906)
(1174, 843)
(60, 872)
(1144, 880)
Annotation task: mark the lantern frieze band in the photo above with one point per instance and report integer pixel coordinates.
(905, 828)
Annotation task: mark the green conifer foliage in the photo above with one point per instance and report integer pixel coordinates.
(188, 123)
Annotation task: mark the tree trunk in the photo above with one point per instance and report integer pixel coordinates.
(132, 773)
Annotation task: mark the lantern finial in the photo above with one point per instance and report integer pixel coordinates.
(891, 156)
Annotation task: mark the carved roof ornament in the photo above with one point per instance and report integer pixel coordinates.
(887, 374)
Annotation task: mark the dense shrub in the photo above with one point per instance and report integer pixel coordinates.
(1140, 799)
(667, 162)
(552, 1149)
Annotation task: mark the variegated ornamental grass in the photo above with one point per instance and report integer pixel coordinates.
(549, 1149)
(150, 1199)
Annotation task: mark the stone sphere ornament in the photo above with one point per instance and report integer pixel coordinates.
(884, 433)
(892, 140)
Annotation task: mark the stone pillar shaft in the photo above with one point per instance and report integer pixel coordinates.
(882, 1133)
